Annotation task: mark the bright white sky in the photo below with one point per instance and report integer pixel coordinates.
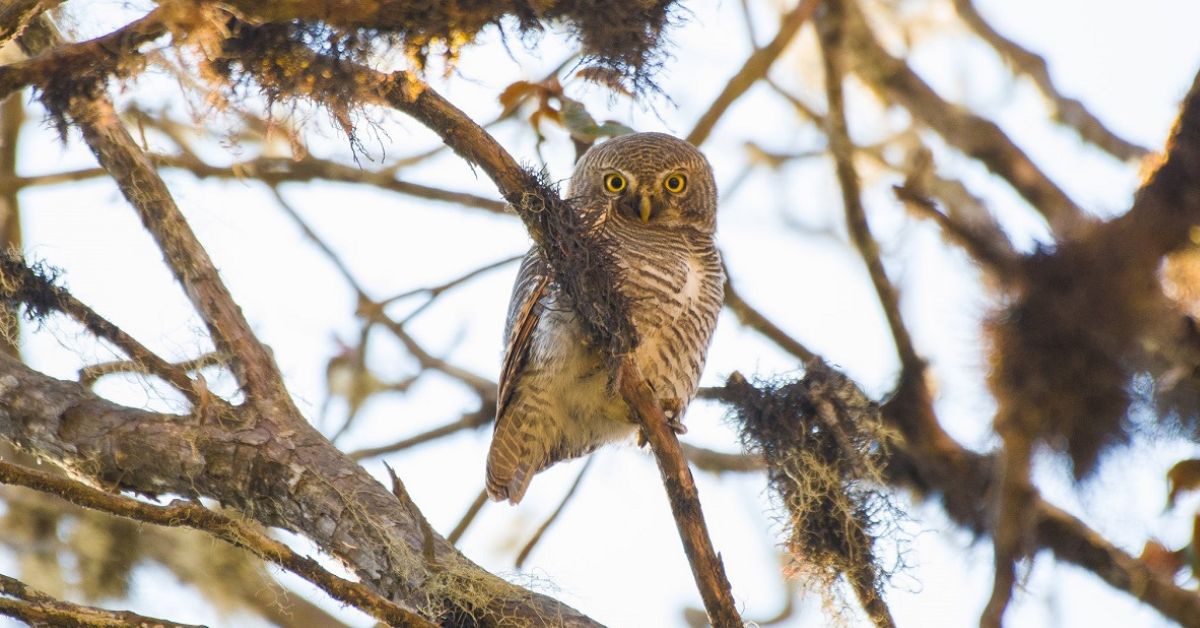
(614, 554)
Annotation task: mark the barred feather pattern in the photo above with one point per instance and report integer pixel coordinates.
(555, 402)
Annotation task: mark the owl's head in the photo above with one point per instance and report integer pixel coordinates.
(649, 179)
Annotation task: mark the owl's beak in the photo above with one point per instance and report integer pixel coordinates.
(646, 208)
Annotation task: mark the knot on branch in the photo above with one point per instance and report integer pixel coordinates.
(825, 447)
(29, 286)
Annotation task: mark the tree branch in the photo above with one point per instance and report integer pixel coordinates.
(755, 67)
(1068, 111)
(978, 137)
(193, 515)
(831, 31)
(707, 568)
(274, 471)
(38, 609)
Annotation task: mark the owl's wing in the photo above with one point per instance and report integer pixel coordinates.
(524, 311)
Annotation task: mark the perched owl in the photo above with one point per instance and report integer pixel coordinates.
(657, 199)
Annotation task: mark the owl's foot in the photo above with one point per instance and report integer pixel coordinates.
(672, 409)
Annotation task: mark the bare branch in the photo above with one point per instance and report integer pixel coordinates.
(194, 515)
(562, 505)
(755, 68)
(978, 137)
(472, 420)
(1068, 111)
(707, 568)
(38, 609)
(465, 522)
(830, 27)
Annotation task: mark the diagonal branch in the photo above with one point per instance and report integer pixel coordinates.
(830, 28)
(194, 515)
(141, 185)
(755, 67)
(38, 609)
(976, 136)
(1068, 111)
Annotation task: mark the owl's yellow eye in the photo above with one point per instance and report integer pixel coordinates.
(614, 182)
(675, 183)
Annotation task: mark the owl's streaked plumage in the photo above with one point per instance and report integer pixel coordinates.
(658, 199)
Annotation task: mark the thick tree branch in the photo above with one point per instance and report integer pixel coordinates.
(195, 515)
(38, 609)
(274, 471)
(94, 59)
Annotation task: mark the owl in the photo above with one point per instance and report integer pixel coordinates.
(656, 197)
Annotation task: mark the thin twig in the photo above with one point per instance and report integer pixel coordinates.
(472, 420)
(435, 291)
(19, 276)
(720, 462)
(755, 67)
(830, 27)
(468, 517)
(1000, 260)
(193, 515)
(92, 372)
(562, 505)
(1068, 111)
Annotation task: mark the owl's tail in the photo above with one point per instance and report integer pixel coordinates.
(511, 463)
